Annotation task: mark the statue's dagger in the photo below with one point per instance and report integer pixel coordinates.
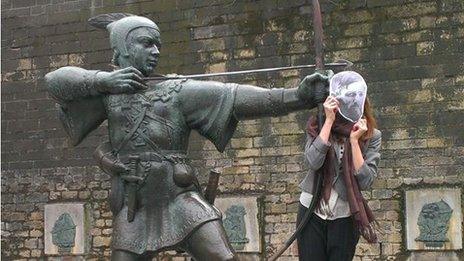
(132, 180)
(321, 90)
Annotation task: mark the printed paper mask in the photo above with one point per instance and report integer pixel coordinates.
(350, 89)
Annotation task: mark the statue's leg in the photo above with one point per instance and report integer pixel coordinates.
(209, 243)
(121, 255)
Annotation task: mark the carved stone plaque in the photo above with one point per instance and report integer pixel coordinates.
(240, 219)
(433, 219)
(64, 229)
(64, 233)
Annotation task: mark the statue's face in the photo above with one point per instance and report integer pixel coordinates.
(143, 45)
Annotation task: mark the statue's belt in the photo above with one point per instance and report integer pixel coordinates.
(140, 166)
(174, 156)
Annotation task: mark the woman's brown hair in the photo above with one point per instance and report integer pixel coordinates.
(370, 120)
(312, 128)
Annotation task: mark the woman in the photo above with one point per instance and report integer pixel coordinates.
(346, 153)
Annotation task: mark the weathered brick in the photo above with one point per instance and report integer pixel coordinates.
(367, 249)
(99, 241)
(24, 253)
(242, 143)
(410, 10)
(243, 153)
(36, 233)
(425, 48)
(236, 170)
(69, 194)
(30, 243)
(100, 194)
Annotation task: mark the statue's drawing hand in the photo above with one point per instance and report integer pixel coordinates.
(127, 80)
(308, 91)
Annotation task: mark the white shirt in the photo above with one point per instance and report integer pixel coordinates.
(335, 207)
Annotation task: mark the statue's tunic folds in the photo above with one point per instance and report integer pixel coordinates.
(163, 117)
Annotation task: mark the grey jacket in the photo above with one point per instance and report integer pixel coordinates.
(315, 152)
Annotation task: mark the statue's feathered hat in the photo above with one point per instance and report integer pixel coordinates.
(120, 25)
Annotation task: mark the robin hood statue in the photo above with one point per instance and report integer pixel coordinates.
(155, 198)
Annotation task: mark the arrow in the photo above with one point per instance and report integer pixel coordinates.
(341, 64)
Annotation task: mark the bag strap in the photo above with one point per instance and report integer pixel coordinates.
(132, 131)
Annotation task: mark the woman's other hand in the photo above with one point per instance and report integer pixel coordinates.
(359, 128)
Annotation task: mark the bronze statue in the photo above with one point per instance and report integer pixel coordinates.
(155, 197)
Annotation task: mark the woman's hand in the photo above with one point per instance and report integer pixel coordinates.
(359, 128)
(330, 108)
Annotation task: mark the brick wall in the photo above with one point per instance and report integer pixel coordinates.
(410, 52)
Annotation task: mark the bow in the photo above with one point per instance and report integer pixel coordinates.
(319, 51)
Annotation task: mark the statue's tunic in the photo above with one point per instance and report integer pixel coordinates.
(167, 212)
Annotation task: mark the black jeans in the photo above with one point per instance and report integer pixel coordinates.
(331, 240)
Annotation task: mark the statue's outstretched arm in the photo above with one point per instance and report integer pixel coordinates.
(73, 83)
(255, 102)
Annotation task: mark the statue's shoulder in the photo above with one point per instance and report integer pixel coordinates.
(168, 84)
(184, 88)
(165, 90)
